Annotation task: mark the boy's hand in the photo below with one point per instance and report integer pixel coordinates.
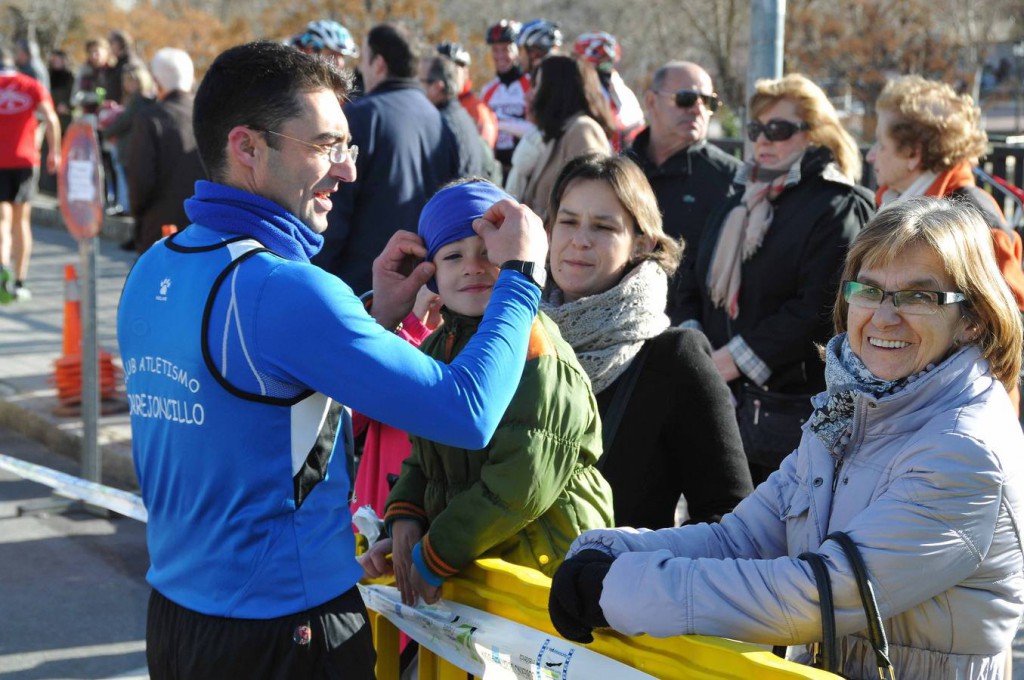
(405, 534)
(374, 562)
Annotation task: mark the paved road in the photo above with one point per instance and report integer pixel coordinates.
(73, 591)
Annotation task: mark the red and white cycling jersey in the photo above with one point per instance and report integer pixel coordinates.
(507, 102)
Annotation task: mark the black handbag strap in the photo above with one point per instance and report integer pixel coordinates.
(876, 631)
(620, 400)
(828, 657)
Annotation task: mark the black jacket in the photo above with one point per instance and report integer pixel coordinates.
(475, 157)
(163, 166)
(678, 435)
(789, 286)
(689, 186)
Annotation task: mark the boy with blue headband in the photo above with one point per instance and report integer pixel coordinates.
(526, 495)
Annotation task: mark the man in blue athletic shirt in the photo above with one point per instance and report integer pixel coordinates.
(237, 352)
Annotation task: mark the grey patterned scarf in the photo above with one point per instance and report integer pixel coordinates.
(846, 376)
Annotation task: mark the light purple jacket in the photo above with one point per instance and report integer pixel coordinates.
(930, 489)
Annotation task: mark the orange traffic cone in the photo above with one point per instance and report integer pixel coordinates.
(68, 368)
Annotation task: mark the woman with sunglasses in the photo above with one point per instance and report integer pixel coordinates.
(913, 451)
(765, 273)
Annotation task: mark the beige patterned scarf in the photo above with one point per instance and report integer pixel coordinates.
(744, 230)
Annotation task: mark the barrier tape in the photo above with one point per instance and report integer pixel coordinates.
(489, 646)
(115, 500)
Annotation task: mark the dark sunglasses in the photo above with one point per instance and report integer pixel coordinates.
(684, 99)
(774, 130)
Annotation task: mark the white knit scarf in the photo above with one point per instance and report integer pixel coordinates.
(607, 330)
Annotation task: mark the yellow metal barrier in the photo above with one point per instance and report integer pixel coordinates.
(521, 595)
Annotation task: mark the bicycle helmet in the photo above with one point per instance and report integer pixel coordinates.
(329, 35)
(456, 52)
(540, 34)
(505, 31)
(598, 48)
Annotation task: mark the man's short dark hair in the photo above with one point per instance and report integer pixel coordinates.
(394, 44)
(255, 85)
(441, 69)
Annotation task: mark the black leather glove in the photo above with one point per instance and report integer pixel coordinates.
(575, 601)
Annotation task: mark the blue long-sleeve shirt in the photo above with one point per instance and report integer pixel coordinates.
(232, 358)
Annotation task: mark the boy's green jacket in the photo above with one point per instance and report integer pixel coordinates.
(533, 489)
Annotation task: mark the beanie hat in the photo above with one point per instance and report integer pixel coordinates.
(448, 216)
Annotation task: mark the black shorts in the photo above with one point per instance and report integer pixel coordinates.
(329, 641)
(18, 185)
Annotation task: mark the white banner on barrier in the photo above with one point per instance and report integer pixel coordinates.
(491, 647)
(121, 502)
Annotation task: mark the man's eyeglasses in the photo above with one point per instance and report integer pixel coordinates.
(684, 99)
(338, 152)
(775, 130)
(920, 302)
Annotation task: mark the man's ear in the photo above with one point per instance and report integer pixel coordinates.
(649, 100)
(244, 146)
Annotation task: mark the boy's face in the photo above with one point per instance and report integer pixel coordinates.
(464, 275)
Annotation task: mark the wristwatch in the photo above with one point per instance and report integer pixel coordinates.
(534, 271)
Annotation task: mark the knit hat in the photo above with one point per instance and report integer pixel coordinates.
(448, 216)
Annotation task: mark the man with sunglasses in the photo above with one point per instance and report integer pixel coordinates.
(690, 176)
(237, 352)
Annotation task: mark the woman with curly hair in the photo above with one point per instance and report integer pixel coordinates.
(927, 142)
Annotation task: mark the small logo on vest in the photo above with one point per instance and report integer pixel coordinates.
(689, 198)
(164, 285)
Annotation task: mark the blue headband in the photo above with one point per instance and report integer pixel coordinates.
(449, 215)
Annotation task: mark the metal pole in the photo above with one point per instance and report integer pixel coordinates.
(767, 35)
(91, 463)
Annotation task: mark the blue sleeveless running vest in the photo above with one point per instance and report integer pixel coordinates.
(246, 493)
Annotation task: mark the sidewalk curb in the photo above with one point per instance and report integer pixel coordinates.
(29, 412)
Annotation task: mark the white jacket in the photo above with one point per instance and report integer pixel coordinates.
(930, 489)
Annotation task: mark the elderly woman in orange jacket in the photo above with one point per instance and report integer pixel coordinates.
(927, 142)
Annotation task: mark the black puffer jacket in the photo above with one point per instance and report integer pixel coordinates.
(789, 285)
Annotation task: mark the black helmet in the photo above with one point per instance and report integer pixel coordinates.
(505, 31)
(454, 51)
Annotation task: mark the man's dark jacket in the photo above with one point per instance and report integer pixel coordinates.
(163, 166)
(406, 153)
(689, 186)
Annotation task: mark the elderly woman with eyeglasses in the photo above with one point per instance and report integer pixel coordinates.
(913, 450)
(767, 266)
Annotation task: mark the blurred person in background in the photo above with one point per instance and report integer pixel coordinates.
(602, 51)
(440, 80)
(163, 163)
(506, 93)
(25, 101)
(139, 93)
(572, 119)
(927, 141)
(486, 121)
